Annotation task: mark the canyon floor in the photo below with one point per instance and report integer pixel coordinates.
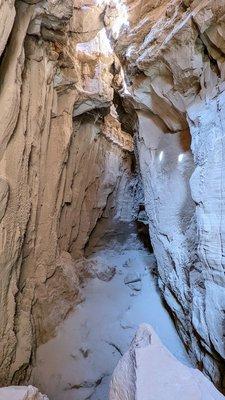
(78, 362)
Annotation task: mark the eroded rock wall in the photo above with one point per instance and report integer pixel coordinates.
(59, 163)
(173, 56)
(166, 165)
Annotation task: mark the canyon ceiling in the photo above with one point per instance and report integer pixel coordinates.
(89, 92)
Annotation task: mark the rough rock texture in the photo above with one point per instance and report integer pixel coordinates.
(148, 371)
(173, 56)
(63, 151)
(7, 20)
(21, 393)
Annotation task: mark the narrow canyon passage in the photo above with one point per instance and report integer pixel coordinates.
(78, 363)
(111, 149)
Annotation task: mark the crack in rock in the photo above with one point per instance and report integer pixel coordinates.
(115, 347)
(87, 384)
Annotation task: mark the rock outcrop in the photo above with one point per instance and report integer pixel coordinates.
(148, 371)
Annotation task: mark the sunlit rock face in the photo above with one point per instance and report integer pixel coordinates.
(21, 393)
(63, 151)
(173, 57)
(148, 371)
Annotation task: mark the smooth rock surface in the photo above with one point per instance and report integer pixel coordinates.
(21, 393)
(148, 371)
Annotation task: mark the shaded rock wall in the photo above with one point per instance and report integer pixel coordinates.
(173, 57)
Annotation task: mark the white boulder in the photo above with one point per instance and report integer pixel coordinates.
(148, 371)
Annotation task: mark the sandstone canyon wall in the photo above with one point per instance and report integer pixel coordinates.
(63, 152)
(72, 94)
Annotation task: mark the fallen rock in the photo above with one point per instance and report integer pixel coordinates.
(101, 270)
(129, 263)
(96, 268)
(107, 274)
(137, 286)
(134, 294)
(148, 371)
(21, 393)
(132, 278)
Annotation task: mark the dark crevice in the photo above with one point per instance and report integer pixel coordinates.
(142, 227)
(204, 41)
(115, 347)
(95, 115)
(126, 114)
(2, 57)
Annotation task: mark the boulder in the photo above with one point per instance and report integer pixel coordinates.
(21, 393)
(148, 371)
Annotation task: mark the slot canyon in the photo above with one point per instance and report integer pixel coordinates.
(112, 199)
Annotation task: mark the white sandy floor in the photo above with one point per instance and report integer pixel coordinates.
(78, 362)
